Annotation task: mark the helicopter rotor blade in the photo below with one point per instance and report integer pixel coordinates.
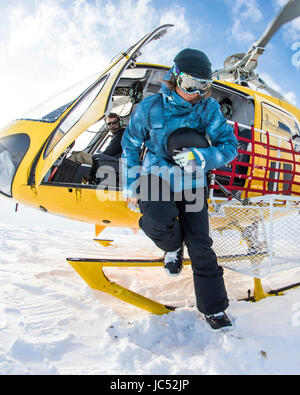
(289, 12)
(249, 61)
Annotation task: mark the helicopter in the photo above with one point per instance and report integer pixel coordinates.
(37, 169)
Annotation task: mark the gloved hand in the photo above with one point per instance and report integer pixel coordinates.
(132, 204)
(187, 161)
(134, 207)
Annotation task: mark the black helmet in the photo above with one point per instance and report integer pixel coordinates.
(185, 138)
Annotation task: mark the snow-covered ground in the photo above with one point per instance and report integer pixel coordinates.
(51, 322)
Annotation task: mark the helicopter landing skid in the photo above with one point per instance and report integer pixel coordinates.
(260, 294)
(91, 271)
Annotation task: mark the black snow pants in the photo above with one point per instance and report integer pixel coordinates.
(169, 224)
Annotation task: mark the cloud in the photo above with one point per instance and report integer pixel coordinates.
(248, 9)
(52, 44)
(86, 29)
(296, 56)
(239, 34)
(293, 30)
(243, 11)
(281, 3)
(289, 96)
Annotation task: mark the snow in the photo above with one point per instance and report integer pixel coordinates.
(52, 323)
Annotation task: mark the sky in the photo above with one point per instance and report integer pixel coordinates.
(47, 46)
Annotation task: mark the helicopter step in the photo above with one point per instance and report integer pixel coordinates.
(104, 242)
(91, 271)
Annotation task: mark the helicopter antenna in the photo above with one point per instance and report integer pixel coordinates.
(239, 68)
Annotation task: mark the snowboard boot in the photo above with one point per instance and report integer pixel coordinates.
(173, 262)
(218, 321)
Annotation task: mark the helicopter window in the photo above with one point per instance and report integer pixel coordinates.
(12, 150)
(135, 85)
(74, 116)
(282, 126)
(135, 73)
(91, 137)
(275, 120)
(122, 104)
(52, 109)
(234, 106)
(154, 81)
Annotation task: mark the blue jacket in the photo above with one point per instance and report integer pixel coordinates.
(155, 118)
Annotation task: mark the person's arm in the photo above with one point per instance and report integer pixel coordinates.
(223, 140)
(132, 141)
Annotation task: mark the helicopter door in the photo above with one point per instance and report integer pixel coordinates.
(90, 106)
(281, 126)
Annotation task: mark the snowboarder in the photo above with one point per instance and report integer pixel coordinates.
(183, 102)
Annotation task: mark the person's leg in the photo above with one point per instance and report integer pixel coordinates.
(210, 291)
(159, 218)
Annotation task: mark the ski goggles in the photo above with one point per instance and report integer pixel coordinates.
(112, 123)
(191, 85)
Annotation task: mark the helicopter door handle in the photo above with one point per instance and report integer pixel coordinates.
(78, 194)
(33, 188)
(296, 139)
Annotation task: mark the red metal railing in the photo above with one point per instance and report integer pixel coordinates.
(270, 178)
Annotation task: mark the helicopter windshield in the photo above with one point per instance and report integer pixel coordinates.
(12, 150)
(53, 108)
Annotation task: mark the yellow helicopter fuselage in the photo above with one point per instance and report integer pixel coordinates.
(35, 148)
(50, 136)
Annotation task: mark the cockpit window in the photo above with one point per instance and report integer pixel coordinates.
(135, 85)
(135, 73)
(52, 109)
(12, 150)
